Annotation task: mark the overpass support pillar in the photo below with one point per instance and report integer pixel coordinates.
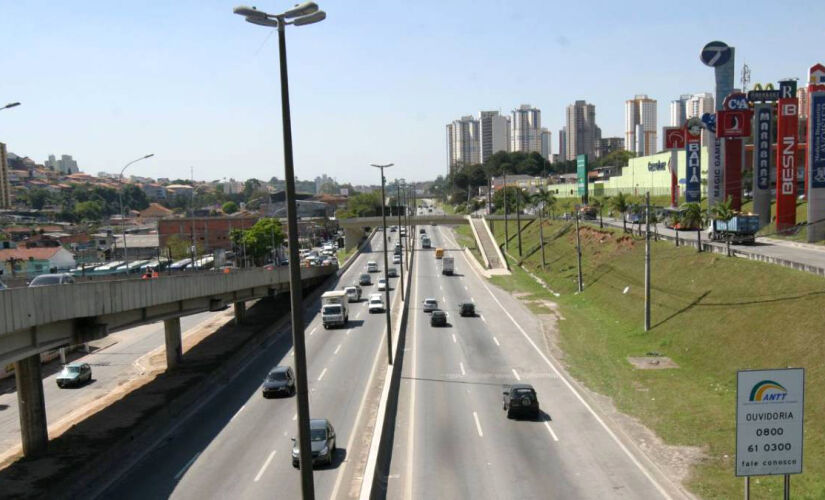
(240, 312)
(31, 406)
(174, 346)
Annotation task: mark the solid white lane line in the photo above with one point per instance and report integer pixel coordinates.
(186, 467)
(482, 318)
(466, 287)
(496, 341)
(515, 373)
(265, 465)
(478, 425)
(444, 299)
(547, 424)
(337, 349)
(323, 372)
(461, 365)
(359, 314)
(408, 486)
(237, 413)
(312, 331)
(294, 417)
(454, 340)
(578, 396)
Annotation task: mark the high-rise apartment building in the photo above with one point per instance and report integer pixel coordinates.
(463, 142)
(65, 165)
(546, 144)
(526, 129)
(5, 185)
(678, 110)
(581, 130)
(699, 104)
(640, 125)
(563, 143)
(607, 145)
(495, 133)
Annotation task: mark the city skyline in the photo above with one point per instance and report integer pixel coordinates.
(158, 80)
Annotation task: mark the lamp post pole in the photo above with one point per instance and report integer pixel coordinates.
(401, 262)
(306, 13)
(122, 219)
(386, 261)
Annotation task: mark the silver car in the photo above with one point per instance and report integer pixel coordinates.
(430, 305)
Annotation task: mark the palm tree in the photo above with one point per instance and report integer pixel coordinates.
(694, 216)
(621, 204)
(723, 211)
(542, 199)
(599, 202)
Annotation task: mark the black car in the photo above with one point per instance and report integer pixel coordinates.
(279, 381)
(467, 309)
(521, 400)
(322, 441)
(438, 318)
(422, 231)
(365, 280)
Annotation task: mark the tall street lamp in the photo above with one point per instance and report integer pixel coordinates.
(386, 261)
(305, 13)
(10, 105)
(122, 220)
(398, 205)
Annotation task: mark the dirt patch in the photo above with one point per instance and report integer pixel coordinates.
(652, 362)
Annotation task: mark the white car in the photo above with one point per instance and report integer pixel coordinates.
(376, 305)
(382, 284)
(430, 305)
(396, 259)
(372, 267)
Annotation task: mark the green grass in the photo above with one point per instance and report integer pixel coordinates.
(711, 314)
(465, 238)
(344, 253)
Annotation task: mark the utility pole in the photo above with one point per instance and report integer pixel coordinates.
(518, 218)
(647, 261)
(506, 226)
(398, 207)
(386, 261)
(579, 252)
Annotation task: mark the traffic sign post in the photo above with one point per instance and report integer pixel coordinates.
(770, 408)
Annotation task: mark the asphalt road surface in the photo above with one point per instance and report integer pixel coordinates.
(238, 444)
(112, 366)
(453, 440)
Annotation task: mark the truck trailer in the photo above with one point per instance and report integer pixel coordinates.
(334, 308)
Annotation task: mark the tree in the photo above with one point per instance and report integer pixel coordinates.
(88, 210)
(249, 187)
(230, 207)
(618, 158)
(362, 205)
(133, 198)
(515, 198)
(178, 247)
(723, 211)
(599, 202)
(694, 217)
(262, 238)
(621, 204)
(38, 198)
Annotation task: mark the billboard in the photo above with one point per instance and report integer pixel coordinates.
(787, 129)
(693, 161)
(674, 137)
(581, 176)
(762, 139)
(721, 58)
(770, 406)
(816, 165)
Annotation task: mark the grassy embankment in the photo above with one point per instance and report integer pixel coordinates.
(711, 314)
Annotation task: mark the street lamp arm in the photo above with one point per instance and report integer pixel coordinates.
(134, 161)
(10, 105)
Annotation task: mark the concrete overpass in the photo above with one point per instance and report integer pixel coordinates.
(34, 320)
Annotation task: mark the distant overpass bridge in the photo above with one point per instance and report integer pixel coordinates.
(35, 320)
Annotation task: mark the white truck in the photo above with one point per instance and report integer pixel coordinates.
(447, 265)
(334, 310)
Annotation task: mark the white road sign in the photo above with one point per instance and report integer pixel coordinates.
(769, 414)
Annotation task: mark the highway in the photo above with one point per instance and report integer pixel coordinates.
(112, 366)
(238, 444)
(453, 440)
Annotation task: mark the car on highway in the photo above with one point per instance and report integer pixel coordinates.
(467, 309)
(521, 400)
(52, 279)
(365, 280)
(280, 380)
(376, 304)
(382, 284)
(372, 267)
(396, 259)
(430, 305)
(392, 272)
(322, 443)
(422, 231)
(392, 229)
(353, 293)
(74, 374)
(438, 318)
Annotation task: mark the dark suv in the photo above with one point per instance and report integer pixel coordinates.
(322, 443)
(521, 400)
(467, 309)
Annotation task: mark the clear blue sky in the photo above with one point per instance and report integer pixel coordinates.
(375, 82)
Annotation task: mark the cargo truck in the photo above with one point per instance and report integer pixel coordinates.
(448, 265)
(740, 228)
(334, 310)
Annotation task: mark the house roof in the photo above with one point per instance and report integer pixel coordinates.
(37, 253)
(155, 210)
